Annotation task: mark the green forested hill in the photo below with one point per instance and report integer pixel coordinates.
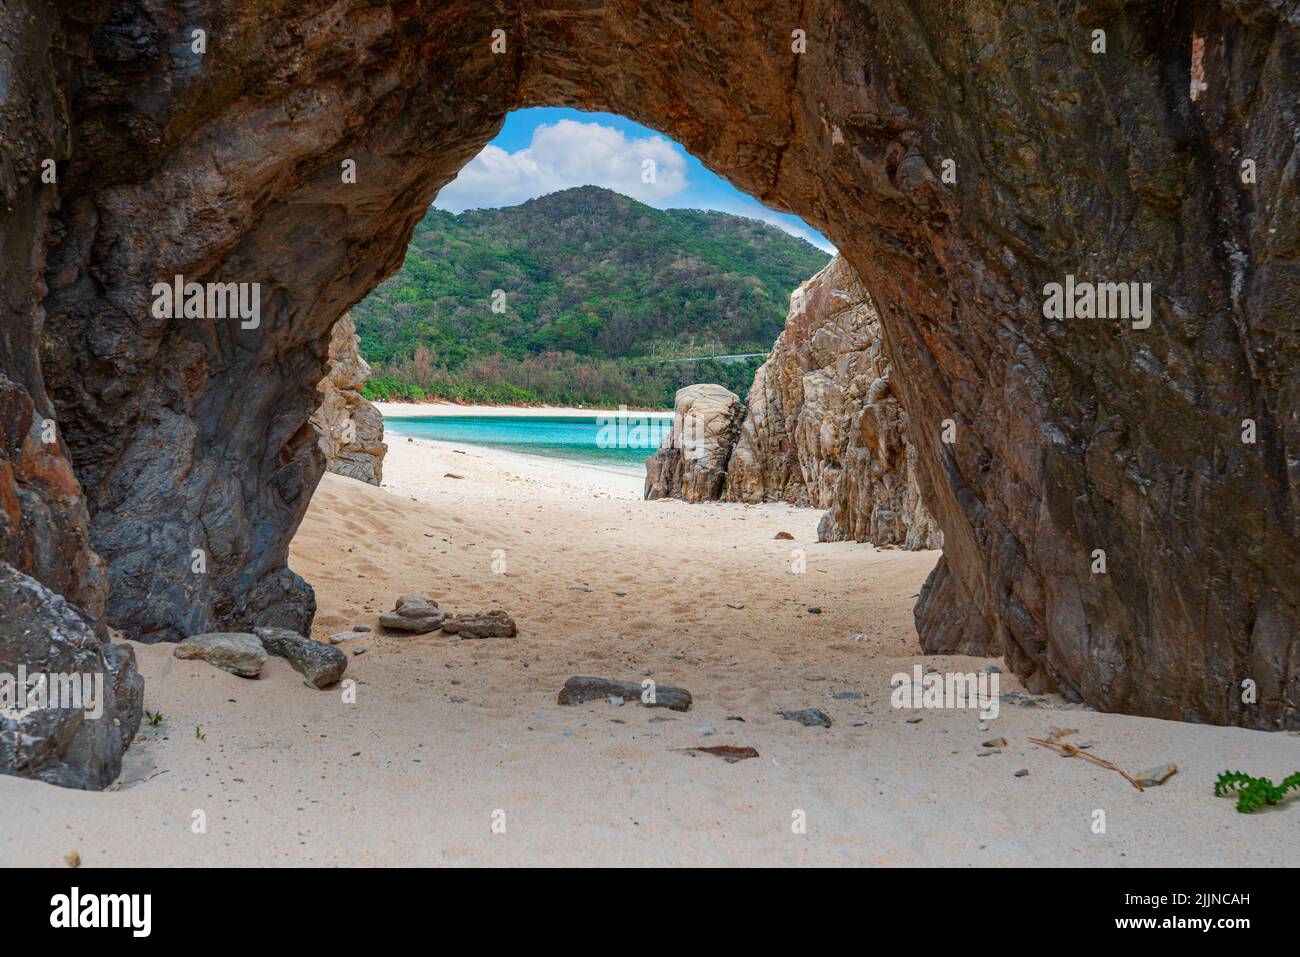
(596, 287)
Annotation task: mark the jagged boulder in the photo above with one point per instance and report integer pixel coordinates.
(70, 703)
(822, 426)
(351, 428)
(691, 463)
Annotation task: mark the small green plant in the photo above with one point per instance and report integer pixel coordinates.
(154, 718)
(1254, 793)
(198, 733)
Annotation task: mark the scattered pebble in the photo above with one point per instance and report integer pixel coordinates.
(808, 717)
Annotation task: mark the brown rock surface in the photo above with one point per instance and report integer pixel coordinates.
(822, 426)
(351, 429)
(691, 463)
(1070, 435)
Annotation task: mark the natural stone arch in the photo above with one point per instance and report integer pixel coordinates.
(1069, 436)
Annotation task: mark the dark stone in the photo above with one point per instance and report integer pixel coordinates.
(41, 633)
(808, 717)
(580, 689)
(320, 664)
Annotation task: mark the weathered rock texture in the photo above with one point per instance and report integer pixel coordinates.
(319, 664)
(43, 635)
(53, 587)
(691, 463)
(351, 429)
(822, 426)
(237, 652)
(1070, 435)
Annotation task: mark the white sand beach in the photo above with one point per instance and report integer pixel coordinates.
(447, 737)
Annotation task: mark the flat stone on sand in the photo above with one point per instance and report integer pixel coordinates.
(237, 652)
(580, 689)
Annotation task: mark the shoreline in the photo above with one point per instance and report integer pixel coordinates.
(415, 410)
(522, 461)
(526, 460)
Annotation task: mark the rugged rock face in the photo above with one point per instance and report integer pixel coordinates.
(691, 463)
(822, 427)
(52, 585)
(351, 429)
(961, 157)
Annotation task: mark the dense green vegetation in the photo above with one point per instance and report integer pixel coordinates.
(596, 290)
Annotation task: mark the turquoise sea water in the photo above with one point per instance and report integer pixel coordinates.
(603, 441)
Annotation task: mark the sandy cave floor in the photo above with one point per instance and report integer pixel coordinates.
(444, 735)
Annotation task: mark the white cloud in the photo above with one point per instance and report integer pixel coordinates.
(562, 155)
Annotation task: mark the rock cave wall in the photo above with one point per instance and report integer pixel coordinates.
(1067, 436)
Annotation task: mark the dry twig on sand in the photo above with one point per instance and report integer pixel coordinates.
(1070, 751)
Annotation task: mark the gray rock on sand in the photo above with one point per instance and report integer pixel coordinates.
(809, 717)
(416, 614)
(320, 664)
(483, 624)
(1153, 777)
(580, 688)
(45, 633)
(237, 652)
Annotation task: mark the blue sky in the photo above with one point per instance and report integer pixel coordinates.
(540, 151)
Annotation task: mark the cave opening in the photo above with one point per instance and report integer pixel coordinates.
(544, 223)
